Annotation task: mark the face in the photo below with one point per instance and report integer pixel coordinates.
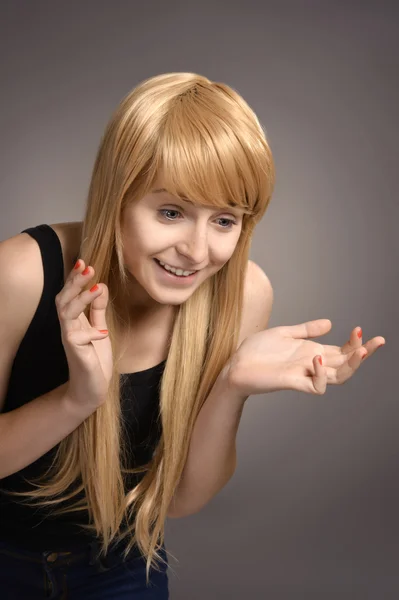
(181, 234)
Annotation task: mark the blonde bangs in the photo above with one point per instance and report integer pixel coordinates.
(209, 152)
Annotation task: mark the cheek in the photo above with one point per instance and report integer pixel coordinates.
(138, 240)
(223, 252)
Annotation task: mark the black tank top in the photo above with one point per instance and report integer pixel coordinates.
(40, 366)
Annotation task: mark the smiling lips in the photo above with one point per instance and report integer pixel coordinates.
(176, 268)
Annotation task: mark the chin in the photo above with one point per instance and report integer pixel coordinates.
(172, 301)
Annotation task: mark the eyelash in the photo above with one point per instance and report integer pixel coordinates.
(164, 210)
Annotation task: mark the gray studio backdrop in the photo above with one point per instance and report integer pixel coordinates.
(312, 510)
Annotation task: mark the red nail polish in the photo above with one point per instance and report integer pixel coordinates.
(94, 288)
(360, 333)
(77, 265)
(363, 357)
(320, 360)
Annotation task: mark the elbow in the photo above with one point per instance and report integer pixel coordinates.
(177, 510)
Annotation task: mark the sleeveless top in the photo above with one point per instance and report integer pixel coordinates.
(40, 366)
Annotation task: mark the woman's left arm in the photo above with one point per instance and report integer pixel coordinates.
(211, 459)
(282, 358)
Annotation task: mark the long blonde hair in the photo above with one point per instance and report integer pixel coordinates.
(210, 147)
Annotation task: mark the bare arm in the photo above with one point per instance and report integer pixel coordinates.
(31, 430)
(211, 460)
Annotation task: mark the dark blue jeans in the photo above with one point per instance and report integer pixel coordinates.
(78, 575)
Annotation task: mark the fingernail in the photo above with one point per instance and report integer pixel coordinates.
(77, 265)
(364, 356)
(103, 330)
(360, 333)
(86, 271)
(320, 360)
(94, 288)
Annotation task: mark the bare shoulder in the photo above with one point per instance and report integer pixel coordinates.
(257, 302)
(21, 286)
(21, 259)
(20, 265)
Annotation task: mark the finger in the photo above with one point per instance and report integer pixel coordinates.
(69, 312)
(354, 342)
(82, 337)
(334, 359)
(98, 308)
(74, 285)
(310, 329)
(372, 345)
(77, 269)
(345, 371)
(320, 376)
(336, 356)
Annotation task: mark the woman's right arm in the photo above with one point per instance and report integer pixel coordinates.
(31, 430)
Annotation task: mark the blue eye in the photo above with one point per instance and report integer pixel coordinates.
(168, 210)
(162, 211)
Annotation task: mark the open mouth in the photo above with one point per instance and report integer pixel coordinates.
(187, 278)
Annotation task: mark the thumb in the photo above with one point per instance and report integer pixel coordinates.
(310, 329)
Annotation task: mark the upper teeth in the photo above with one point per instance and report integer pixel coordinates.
(177, 271)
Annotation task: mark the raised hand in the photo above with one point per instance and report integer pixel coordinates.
(283, 358)
(88, 351)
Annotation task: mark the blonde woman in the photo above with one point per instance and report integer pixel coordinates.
(131, 342)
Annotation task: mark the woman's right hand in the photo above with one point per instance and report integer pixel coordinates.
(88, 352)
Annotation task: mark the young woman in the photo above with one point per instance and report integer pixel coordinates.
(131, 342)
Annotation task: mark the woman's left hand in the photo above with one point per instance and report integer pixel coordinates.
(282, 358)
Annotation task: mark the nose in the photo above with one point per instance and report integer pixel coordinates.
(194, 246)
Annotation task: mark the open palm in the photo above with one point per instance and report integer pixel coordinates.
(283, 358)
